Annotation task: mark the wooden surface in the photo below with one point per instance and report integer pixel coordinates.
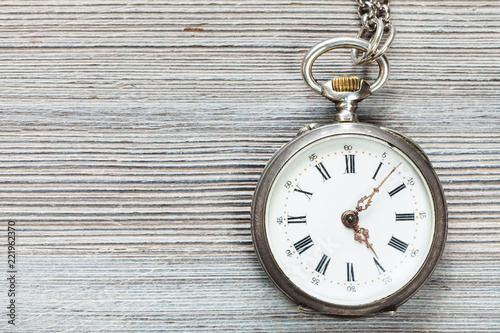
(132, 135)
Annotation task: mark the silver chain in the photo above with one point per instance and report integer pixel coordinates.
(375, 23)
(370, 9)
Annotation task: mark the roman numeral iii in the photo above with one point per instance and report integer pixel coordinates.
(302, 245)
(398, 244)
(322, 170)
(323, 264)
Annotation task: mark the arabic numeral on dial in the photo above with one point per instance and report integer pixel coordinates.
(288, 253)
(351, 289)
(279, 220)
(315, 281)
(422, 215)
(384, 155)
(347, 147)
(387, 280)
(313, 157)
(414, 253)
(411, 181)
(288, 184)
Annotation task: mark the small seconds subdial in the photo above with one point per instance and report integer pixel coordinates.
(349, 219)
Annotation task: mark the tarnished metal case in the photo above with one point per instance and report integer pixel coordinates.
(258, 218)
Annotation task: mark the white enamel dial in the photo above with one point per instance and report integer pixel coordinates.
(317, 252)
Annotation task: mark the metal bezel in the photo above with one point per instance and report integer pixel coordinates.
(258, 214)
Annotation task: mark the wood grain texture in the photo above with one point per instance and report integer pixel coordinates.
(132, 135)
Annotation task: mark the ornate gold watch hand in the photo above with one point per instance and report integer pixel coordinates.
(350, 219)
(361, 235)
(359, 206)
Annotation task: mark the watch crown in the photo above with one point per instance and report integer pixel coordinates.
(346, 83)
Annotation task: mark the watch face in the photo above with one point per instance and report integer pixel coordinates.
(349, 220)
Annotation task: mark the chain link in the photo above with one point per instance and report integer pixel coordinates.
(375, 21)
(371, 9)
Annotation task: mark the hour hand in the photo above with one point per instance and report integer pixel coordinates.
(362, 235)
(350, 219)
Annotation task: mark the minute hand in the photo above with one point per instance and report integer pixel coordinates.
(359, 206)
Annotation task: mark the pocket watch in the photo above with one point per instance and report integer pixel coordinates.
(349, 219)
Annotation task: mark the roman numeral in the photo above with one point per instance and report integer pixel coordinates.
(350, 272)
(380, 269)
(323, 264)
(307, 194)
(398, 244)
(397, 190)
(302, 245)
(350, 165)
(296, 219)
(376, 172)
(405, 217)
(324, 173)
